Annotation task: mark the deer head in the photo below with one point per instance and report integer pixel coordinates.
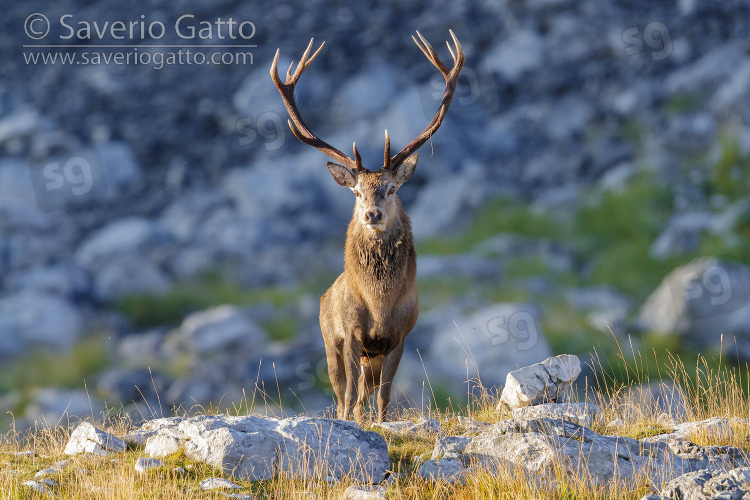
(375, 191)
(376, 201)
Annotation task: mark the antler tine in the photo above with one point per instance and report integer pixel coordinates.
(357, 158)
(459, 49)
(428, 51)
(451, 80)
(296, 124)
(387, 155)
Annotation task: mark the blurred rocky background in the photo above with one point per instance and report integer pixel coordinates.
(164, 238)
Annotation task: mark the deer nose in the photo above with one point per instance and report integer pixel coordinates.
(373, 216)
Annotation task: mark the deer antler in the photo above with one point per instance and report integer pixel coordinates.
(299, 129)
(451, 79)
(303, 133)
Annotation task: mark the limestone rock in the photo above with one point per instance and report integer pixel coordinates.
(716, 427)
(541, 445)
(580, 413)
(215, 483)
(706, 303)
(492, 341)
(453, 445)
(53, 469)
(425, 425)
(88, 439)
(707, 484)
(38, 487)
(364, 492)
(449, 470)
(542, 382)
(37, 319)
(218, 329)
(143, 464)
(259, 448)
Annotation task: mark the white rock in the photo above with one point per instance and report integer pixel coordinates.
(138, 438)
(523, 51)
(488, 344)
(50, 406)
(236, 496)
(88, 439)
(39, 488)
(471, 424)
(131, 275)
(424, 425)
(37, 319)
(449, 470)
(215, 483)
(706, 302)
(541, 446)
(716, 428)
(54, 469)
(143, 464)
(444, 202)
(218, 329)
(364, 492)
(453, 445)
(21, 454)
(580, 413)
(123, 237)
(257, 448)
(541, 382)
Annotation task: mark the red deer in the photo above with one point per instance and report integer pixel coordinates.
(368, 311)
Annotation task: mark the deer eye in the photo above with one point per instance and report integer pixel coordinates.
(392, 190)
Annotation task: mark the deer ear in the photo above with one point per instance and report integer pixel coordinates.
(342, 175)
(406, 169)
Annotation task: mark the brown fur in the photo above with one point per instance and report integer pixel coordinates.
(368, 311)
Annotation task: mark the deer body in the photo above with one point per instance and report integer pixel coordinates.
(368, 311)
(372, 306)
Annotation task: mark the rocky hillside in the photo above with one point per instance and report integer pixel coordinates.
(164, 237)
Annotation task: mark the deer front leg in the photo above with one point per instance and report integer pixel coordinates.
(390, 365)
(337, 374)
(352, 355)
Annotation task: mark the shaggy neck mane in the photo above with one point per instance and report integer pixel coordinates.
(378, 259)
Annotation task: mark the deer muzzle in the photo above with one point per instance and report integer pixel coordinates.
(375, 218)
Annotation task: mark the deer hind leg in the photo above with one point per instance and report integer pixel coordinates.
(388, 371)
(337, 374)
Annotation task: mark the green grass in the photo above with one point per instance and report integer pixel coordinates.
(42, 368)
(502, 215)
(685, 102)
(730, 176)
(184, 298)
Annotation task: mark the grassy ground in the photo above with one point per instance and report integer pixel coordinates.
(717, 390)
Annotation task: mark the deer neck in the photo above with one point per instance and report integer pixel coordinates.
(377, 261)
